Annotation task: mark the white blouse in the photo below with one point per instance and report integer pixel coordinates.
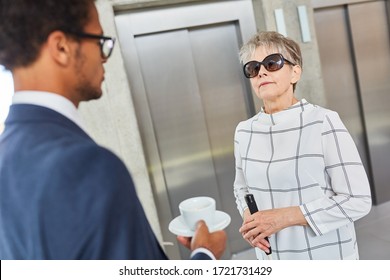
(303, 156)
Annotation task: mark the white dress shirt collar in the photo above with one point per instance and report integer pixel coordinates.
(49, 100)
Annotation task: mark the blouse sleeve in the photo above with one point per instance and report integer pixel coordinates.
(240, 186)
(350, 197)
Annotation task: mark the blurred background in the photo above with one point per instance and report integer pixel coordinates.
(6, 91)
(174, 93)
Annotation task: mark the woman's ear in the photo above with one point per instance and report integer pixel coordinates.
(296, 74)
(59, 47)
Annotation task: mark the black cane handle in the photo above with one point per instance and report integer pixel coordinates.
(250, 201)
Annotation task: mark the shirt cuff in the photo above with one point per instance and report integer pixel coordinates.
(204, 251)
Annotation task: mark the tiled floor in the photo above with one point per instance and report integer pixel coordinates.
(373, 236)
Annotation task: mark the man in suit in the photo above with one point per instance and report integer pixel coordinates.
(61, 195)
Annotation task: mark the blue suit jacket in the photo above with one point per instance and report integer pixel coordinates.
(64, 197)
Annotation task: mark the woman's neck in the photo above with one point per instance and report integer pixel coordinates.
(274, 106)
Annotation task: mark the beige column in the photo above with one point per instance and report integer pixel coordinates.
(111, 120)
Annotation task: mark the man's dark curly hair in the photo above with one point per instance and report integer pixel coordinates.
(26, 24)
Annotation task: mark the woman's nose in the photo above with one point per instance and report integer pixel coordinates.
(262, 71)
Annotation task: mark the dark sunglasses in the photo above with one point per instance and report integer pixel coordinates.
(271, 63)
(106, 43)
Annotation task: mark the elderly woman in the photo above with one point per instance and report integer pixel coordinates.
(299, 162)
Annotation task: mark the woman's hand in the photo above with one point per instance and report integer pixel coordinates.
(246, 219)
(265, 223)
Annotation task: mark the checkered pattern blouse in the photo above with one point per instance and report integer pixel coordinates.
(303, 156)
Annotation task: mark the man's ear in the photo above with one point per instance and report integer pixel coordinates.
(60, 47)
(296, 75)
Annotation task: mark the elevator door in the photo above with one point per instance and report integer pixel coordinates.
(189, 92)
(355, 56)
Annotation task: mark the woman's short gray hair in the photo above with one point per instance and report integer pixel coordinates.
(273, 41)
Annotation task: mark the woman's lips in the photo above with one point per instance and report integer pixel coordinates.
(264, 84)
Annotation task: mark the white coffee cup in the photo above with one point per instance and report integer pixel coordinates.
(198, 208)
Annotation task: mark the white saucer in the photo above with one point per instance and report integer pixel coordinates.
(178, 227)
